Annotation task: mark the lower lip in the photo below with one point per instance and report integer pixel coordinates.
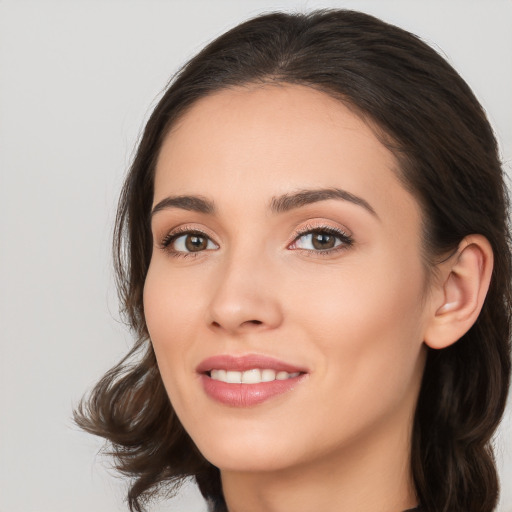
(247, 395)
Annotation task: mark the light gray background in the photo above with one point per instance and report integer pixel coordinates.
(77, 81)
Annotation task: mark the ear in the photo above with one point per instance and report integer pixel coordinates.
(458, 297)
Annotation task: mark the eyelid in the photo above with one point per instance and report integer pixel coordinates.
(319, 225)
(342, 233)
(171, 235)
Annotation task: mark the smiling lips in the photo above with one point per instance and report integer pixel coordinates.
(247, 380)
(253, 376)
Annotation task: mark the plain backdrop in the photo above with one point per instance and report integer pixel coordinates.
(77, 81)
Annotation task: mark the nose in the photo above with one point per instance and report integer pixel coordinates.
(245, 298)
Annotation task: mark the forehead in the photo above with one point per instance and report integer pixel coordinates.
(265, 140)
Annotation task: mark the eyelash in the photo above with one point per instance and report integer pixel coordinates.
(345, 239)
(170, 238)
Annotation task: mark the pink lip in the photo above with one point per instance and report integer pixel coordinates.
(246, 395)
(247, 362)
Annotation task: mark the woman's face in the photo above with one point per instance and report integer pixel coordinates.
(287, 255)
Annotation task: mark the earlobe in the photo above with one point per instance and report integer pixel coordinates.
(463, 285)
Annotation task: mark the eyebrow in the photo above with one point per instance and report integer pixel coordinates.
(288, 202)
(280, 204)
(190, 203)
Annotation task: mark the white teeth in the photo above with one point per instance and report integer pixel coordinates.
(268, 375)
(221, 375)
(253, 376)
(233, 377)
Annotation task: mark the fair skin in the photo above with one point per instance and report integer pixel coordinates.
(232, 275)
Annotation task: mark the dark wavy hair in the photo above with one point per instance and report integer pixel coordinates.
(428, 117)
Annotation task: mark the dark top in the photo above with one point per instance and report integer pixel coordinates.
(221, 507)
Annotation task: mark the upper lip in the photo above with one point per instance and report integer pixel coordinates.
(246, 362)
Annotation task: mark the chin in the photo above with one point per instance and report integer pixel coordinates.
(247, 450)
(241, 460)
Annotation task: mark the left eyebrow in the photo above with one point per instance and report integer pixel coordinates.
(288, 202)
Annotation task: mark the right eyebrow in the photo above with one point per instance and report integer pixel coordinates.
(190, 203)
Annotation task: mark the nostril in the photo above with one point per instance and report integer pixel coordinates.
(247, 324)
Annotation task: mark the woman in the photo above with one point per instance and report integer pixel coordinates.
(312, 248)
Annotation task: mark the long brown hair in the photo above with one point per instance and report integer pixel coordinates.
(429, 118)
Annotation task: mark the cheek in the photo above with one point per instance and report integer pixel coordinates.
(370, 352)
(367, 321)
(360, 297)
(171, 310)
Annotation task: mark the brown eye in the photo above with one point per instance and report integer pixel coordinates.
(189, 242)
(321, 240)
(195, 243)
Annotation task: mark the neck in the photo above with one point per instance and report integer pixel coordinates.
(371, 475)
